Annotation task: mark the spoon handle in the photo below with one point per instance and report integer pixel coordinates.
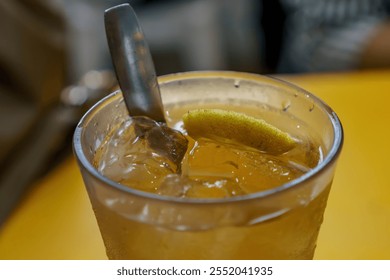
(133, 63)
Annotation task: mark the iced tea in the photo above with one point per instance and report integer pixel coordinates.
(223, 200)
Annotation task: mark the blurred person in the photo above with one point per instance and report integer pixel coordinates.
(335, 35)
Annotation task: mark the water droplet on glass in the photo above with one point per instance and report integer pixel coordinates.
(286, 105)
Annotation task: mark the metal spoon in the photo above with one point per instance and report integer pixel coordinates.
(137, 79)
(133, 63)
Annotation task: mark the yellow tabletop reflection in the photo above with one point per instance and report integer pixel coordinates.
(55, 220)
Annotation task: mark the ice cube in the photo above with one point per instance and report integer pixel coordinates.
(249, 168)
(182, 186)
(140, 153)
(165, 141)
(216, 188)
(174, 185)
(168, 143)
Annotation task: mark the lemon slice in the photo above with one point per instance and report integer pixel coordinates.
(237, 127)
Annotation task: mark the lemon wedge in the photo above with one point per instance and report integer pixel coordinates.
(237, 127)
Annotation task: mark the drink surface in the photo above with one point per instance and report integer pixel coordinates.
(210, 168)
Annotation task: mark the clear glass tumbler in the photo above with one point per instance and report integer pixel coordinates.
(280, 223)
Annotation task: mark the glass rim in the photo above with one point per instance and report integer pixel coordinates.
(328, 160)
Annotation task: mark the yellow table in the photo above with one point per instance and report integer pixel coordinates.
(55, 221)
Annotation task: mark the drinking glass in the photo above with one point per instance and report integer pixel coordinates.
(278, 223)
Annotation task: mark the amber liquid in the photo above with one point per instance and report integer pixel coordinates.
(290, 236)
(221, 173)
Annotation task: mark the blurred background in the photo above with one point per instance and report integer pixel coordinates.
(54, 60)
